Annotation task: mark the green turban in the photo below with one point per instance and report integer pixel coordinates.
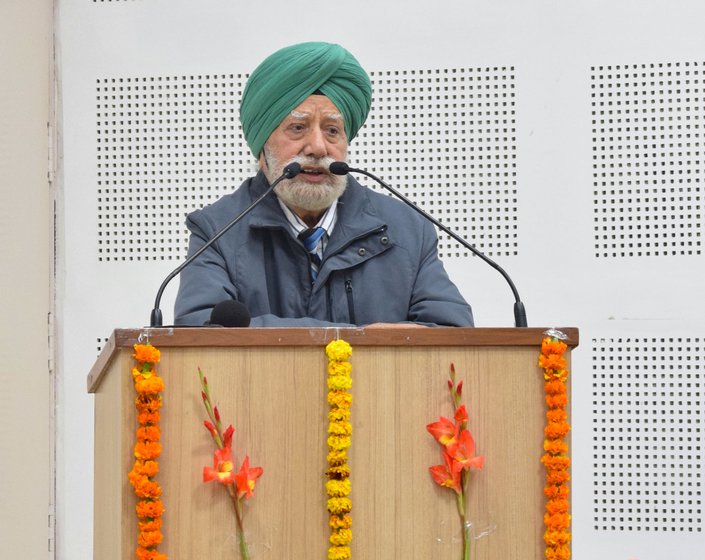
(290, 75)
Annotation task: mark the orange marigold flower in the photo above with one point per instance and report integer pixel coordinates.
(149, 509)
(556, 430)
(556, 401)
(556, 415)
(149, 433)
(553, 362)
(149, 554)
(151, 525)
(553, 538)
(557, 506)
(558, 553)
(147, 489)
(557, 477)
(145, 418)
(146, 353)
(555, 446)
(555, 388)
(553, 346)
(151, 386)
(557, 491)
(149, 538)
(557, 520)
(555, 462)
(148, 403)
(147, 450)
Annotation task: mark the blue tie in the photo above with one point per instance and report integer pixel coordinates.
(310, 238)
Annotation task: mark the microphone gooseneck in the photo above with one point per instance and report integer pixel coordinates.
(290, 171)
(342, 168)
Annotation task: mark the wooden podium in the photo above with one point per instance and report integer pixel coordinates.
(271, 385)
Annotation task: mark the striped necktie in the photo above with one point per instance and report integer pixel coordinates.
(311, 238)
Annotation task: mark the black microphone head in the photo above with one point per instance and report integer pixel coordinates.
(230, 313)
(292, 170)
(339, 168)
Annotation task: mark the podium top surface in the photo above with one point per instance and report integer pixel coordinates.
(188, 337)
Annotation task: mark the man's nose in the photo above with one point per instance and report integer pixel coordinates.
(315, 144)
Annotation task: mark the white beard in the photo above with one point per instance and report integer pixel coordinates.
(297, 193)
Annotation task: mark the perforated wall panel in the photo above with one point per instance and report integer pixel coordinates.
(648, 158)
(648, 409)
(167, 145)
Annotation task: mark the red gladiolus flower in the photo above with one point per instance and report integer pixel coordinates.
(463, 452)
(447, 475)
(461, 415)
(228, 436)
(444, 431)
(246, 478)
(222, 470)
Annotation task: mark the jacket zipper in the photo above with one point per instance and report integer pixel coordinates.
(351, 303)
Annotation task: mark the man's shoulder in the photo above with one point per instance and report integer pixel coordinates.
(227, 206)
(384, 205)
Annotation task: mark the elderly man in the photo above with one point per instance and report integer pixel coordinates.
(325, 250)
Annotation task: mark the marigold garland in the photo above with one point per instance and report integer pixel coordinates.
(339, 440)
(149, 387)
(556, 461)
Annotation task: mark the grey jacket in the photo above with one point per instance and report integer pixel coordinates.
(380, 265)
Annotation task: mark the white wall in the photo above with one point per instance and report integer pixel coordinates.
(601, 124)
(26, 234)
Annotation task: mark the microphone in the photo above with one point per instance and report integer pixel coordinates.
(342, 168)
(290, 171)
(230, 313)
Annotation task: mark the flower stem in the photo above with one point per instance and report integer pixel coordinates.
(244, 552)
(463, 519)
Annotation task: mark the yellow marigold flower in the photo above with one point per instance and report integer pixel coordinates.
(339, 399)
(340, 521)
(341, 537)
(339, 505)
(558, 553)
(339, 383)
(339, 368)
(338, 488)
(337, 457)
(339, 553)
(338, 443)
(338, 350)
(553, 538)
(339, 414)
(146, 353)
(339, 472)
(340, 428)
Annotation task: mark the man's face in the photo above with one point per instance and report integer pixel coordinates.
(314, 135)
